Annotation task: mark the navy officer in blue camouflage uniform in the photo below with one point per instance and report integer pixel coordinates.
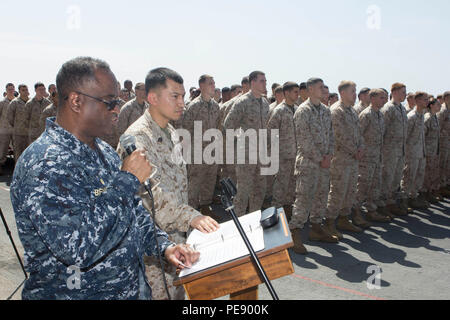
(81, 223)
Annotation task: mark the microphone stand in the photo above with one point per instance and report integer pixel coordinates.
(229, 191)
(15, 249)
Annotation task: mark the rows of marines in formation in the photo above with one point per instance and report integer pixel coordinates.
(341, 165)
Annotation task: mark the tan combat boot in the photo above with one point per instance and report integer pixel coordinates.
(422, 200)
(358, 219)
(375, 217)
(404, 203)
(436, 196)
(445, 192)
(298, 248)
(415, 203)
(330, 227)
(396, 210)
(429, 197)
(383, 211)
(344, 224)
(318, 233)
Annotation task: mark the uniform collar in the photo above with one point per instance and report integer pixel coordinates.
(156, 128)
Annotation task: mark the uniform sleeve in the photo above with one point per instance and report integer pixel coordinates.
(411, 125)
(361, 142)
(427, 125)
(387, 115)
(364, 122)
(331, 141)
(11, 113)
(77, 226)
(232, 120)
(149, 233)
(305, 138)
(188, 119)
(274, 120)
(170, 215)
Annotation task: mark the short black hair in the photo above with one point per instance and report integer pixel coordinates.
(157, 78)
(22, 86)
(50, 85)
(38, 84)
(9, 85)
(288, 86)
(245, 81)
(332, 95)
(226, 89)
(254, 75)
(74, 73)
(203, 78)
(234, 87)
(313, 81)
(275, 85)
(127, 81)
(302, 86)
(363, 90)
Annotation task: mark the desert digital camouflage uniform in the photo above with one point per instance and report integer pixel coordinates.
(247, 113)
(227, 170)
(360, 108)
(315, 138)
(5, 130)
(414, 171)
(201, 177)
(371, 123)
(283, 191)
(16, 115)
(34, 109)
(129, 113)
(49, 111)
(432, 148)
(76, 210)
(408, 108)
(299, 101)
(170, 191)
(272, 107)
(344, 167)
(394, 148)
(113, 139)
(444, 157)
(270, 179)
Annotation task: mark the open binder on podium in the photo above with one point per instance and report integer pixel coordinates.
(225, 244)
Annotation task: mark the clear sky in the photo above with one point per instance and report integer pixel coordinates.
(373, 43)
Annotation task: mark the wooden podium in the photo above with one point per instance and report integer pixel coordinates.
(239, 278)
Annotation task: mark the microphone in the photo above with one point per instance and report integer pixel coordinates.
(128, 142)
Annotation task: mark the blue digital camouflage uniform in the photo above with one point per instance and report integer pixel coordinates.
(75, 208)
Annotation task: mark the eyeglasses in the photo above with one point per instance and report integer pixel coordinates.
(110, 105)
